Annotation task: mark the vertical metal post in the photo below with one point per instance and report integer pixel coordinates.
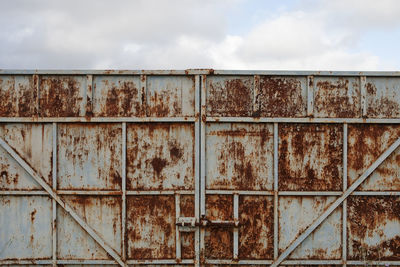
(310, 96)
(203, 117)
(344, 210)
(276, 200)
(363, 91)
(123, 213)
(54, 203)
(197, 166)
(235, 229)
(178, 233)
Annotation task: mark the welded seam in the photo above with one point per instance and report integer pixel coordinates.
(335, 204)
(61, 202)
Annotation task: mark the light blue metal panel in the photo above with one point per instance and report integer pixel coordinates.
(25, 231)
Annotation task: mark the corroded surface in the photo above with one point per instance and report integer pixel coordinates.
(373, 226)
(310, 157)
(160, 156)
(239, 156)
(151, 227)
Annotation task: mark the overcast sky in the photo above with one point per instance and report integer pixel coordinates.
(220, 34)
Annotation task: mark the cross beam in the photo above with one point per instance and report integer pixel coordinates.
(335, 204)
(61, 202)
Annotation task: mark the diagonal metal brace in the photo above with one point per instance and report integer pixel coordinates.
(61, 202)
(335, 204)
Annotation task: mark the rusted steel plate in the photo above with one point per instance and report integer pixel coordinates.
(160, 156)
(115, 96)
(282, 96)
(366, 142)
(383, 98)
(25, 227)
(187, 210)
(373, 227)
(230, 95)
(337, 97)
(219, 239)
(18, 96)
(170, 96)
(34, 143)
(310, 157)
(151, 227)
(296, 214)
(256, 232)
(62, 96)
(102, 213)
(239, 156)
(89, 156)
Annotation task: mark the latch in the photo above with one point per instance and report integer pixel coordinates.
(187, 224)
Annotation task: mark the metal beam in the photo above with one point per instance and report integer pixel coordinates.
(335, 204)
(61, 202)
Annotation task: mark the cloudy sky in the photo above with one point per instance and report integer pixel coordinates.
(181, 34)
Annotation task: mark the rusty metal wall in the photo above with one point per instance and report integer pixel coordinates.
(199, 167)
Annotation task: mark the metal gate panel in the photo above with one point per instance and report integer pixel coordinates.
(199, 167)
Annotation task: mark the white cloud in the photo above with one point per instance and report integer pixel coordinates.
(151, 34)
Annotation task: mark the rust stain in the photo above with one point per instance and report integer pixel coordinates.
(256, 227)
(219, 240)
(151, 227)
(366, 142)
(243, 157)
(310, 157)
(229, 96)
(17, 96)
(163, 152)
(187, 210)
(368, 220)
(118, 98)
(381, 105)
(337, 98)
(33, 213)
(281, 97)
(60, 96)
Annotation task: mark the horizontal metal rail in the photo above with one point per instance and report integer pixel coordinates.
(198, 72)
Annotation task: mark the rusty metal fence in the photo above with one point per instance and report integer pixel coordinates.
(199, 167)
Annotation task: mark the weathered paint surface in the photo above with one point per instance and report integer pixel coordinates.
(239, 156)
(89, 156)
(256, 234)
(296, 213)
(161, 152)
(151, 227)
(281, 96)
(310, 157)
(373, 225)
(230, 96)
(69, 127)
(25, 227)
(29, 140)
(366, 144)
(18, 96)
(337, 97)
(103, 213)
(218, 239)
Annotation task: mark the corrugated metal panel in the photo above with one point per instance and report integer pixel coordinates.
(199, 167)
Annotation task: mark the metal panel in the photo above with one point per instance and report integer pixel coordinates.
(89, 156)
(199, 167)
(310, 157)
(239, 156)
(162, 153)
(18, 96)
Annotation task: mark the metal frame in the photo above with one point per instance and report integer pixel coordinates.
(199, 120)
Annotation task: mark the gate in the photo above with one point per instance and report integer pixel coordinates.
(199, 167)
